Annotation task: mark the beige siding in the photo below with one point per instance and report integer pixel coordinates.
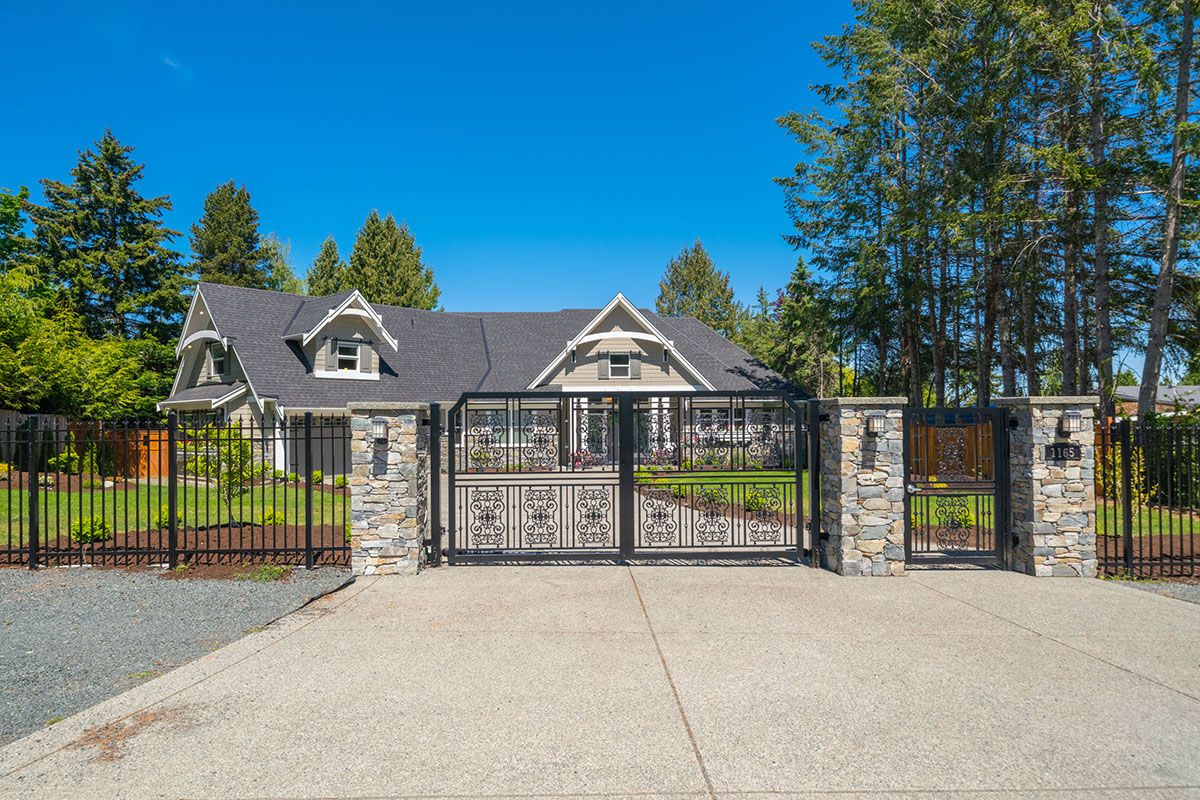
(585, 370)
(348, 329)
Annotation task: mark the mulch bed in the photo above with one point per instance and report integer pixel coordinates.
(1165, 556)
(224, 545)
(62, 482)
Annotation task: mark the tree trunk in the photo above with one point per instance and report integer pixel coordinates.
(1161, 311)
(1103, 295)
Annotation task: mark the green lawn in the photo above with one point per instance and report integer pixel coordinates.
(1147, 521)
(143, 507)
(723, 481)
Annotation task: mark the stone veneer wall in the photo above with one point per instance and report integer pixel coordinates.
(389, 517)
(1053, 502)
(862, 486)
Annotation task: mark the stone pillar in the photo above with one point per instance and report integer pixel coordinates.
(1053, 500)
(862, 486)
(388, 488)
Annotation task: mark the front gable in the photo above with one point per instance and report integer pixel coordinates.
(620, 348)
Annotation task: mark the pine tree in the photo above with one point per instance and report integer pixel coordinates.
(692, 286)
(385, 265)
(327, 275)
(277, 255)
(13, 243)
(106, 248)
(804, 351)
(226, 245)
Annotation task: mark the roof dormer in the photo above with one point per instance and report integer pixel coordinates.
(352, 305)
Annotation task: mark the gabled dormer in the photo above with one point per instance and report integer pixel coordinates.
(620, 348)
(342, 337)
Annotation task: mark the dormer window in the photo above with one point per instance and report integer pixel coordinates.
(217, 355)
(618, 365)
(347, 356)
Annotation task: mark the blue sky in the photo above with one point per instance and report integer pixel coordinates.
(544, 155)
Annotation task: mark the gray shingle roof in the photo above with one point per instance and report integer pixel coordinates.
(206, 391)
(441, 354)
(1187, 396)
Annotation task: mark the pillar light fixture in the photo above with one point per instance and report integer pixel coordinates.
(379, 426)
(1072, 422)
(876, 423)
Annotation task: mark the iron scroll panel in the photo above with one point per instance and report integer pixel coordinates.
(545, 475)
(956, 471)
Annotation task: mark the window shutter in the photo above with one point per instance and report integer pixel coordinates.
(602, 367)
(331, 356)
(635, 366)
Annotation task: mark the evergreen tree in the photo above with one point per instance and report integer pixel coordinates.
(327, 275)
(385, 265)
(804, 351)
(692, 286)
(106, 249)
(758, 331)
(13, 243)
(277, 255)
(226, 244)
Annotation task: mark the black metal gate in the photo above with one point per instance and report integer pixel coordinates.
(538, 476)
(956, 485)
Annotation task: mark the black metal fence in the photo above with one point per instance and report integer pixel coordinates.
(190, 490)
(1148, 498)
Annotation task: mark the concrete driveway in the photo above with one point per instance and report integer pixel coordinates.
(662, 681)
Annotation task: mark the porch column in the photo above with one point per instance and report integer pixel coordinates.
(1052, 472)
(862, 486)
(389, 482)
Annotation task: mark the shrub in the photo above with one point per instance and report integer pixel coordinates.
(754, 500)
(163, 520)
(347, 534)
(318, 476)
(94, 529)
(1108, 471)
(264, 574)
(67, 460)
(5, 469)
(340, 482)
(96, 462)
(292, 477)
(278, 474)
(222, 454)
(272, 517)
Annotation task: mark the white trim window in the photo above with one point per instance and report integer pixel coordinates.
(618, 365)
(348, 356)
(217, 356)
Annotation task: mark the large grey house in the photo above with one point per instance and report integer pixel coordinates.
(268, 356)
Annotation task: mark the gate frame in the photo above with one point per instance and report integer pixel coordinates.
(1001, 487)
(805, 414)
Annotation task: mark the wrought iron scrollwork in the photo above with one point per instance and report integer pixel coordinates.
(950, 451)
(539, 449)
(540, 516)
(484, 435)
(764, 436)
(658, 443)
(659, 526)
(593, 432)
(593, 516)
(711, 436)
(712, 519)
(487, 517)
(764, 505)
(953, 531)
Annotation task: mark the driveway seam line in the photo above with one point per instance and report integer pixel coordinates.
(194, 684)
(1061, 643)
(662, 659)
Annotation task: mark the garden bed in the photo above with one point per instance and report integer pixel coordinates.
(1161, 555)
(60, 482)
(218, 544)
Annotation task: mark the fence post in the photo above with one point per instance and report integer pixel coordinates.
(172, 489)
(625, 473)
(435, 482)
(814, 479)
(1124, 431)
(308, 491)
(31, 462)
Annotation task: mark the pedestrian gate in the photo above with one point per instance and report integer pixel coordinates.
(956, 485)
(538, 476)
